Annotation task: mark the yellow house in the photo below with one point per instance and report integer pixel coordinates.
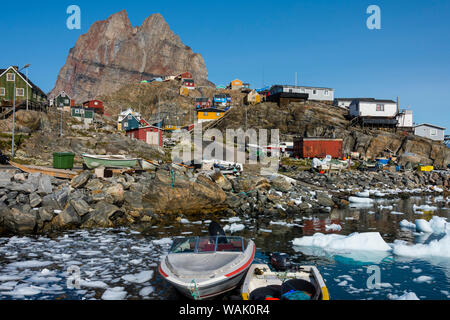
(236, 84)
(204, 115)
(252, 98)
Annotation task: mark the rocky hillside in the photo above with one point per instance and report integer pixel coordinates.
(320, 120)
(39, 138)
(175, 109)
(114, 53)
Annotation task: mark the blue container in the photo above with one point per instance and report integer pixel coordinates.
(383, 161)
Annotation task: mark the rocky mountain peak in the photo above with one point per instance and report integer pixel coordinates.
(114, 53)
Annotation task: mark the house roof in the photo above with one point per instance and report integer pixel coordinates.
(351, 99)
(300, 87)
(210, 110)
(430, 125)
(29, 82)
(375, 100)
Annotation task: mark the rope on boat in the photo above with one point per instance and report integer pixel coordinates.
(194, 290)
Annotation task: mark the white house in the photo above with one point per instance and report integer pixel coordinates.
(369, 107)
(345, 103)
(430, 131)
(315, 93)
(405, 119)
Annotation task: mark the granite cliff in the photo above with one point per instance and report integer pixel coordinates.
(114, 53)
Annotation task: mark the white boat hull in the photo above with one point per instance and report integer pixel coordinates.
(213, 283)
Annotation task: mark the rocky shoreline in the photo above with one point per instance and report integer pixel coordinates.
(37, 204)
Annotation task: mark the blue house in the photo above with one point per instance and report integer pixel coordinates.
(129, 122)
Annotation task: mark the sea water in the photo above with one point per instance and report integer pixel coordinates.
(123, 263)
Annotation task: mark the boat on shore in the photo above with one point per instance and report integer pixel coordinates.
(109, 161)
(148, 164)
(58, 173)
(206, 267)
(306, 283)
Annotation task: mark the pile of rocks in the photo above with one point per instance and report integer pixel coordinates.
(376, 180)
(35, 203)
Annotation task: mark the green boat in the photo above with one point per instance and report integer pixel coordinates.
(115, 161)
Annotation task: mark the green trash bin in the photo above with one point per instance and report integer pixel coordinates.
(63, 160)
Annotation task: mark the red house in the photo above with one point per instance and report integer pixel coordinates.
(188, 83)
(150, 135)
(97, 105)
(184, 75)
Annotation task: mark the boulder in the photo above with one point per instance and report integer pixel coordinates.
(66, 219)
(222, 181)
(18, 221)
(324, 200)
(281, 184)
(5, 179)
(186, 196)
(44, 185)
(115, 190)
(80, 206)
(102, 216)
(80, 180)
(35, 200)
(133, 199)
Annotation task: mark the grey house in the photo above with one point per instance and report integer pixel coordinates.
(430, 131)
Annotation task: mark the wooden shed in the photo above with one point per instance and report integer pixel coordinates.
(318, 147)
(149, 134)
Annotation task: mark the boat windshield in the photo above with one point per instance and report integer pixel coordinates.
(209, 244)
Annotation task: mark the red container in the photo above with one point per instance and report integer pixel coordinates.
(318, 148)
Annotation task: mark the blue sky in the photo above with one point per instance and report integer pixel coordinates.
(266, 42)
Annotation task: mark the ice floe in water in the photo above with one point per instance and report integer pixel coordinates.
(435, 248)
(360, 200)
(234, 227)
(113, 264)
(333, 227)
(355, 241)
(405, 296)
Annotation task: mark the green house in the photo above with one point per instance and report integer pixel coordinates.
(24, 88)
(62, 100)
(83, 114)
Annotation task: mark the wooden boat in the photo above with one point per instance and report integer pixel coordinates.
(58, 173)
(148, 164)
(304, 284)
(205, 267)
(114, 161)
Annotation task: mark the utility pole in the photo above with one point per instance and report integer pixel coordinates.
(159, 113)
(27, 86)
(61, 123)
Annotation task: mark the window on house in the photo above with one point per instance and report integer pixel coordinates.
(326, 92)
(433, 132)
(2, 92)
(95, 103)
(314, 91)
(125, 124)
(129, 117)
(218, 114)
(380, 107)
(66, 100)
(20, 92)
(77, 110)
(10, 77)
(205, 114)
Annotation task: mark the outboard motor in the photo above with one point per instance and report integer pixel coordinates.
(279, 261)
(216, 230)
